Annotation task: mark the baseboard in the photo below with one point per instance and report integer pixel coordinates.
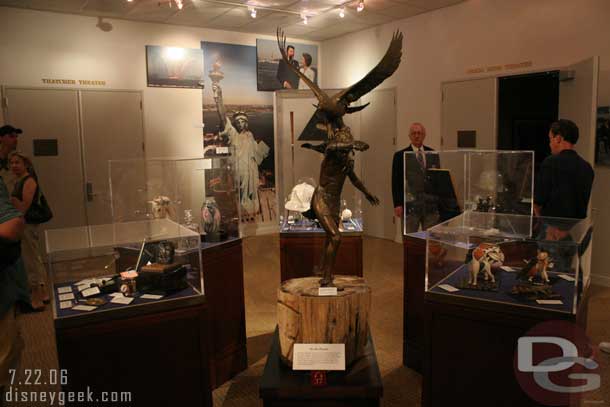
(600, 280)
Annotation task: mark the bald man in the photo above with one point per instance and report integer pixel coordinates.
(422, 208)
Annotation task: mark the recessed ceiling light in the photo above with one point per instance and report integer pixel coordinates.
(360, 6)
(342, 12)
(253, 12)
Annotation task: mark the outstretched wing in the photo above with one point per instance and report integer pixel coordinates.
(281, 43)
(384, 69)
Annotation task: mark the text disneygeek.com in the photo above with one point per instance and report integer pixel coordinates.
(60, 398)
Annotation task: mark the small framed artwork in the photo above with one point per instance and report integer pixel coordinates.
(171, 67)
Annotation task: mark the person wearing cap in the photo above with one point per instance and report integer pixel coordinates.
(564, 182)
(8, 144)
(421, 208)
(249, 154)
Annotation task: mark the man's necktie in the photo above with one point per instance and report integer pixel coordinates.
(420, 159)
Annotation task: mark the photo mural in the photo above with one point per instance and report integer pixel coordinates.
(236, 115)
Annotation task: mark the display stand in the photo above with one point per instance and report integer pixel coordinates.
(223, 278)
(359, 386)
(300, 253)
(224, 292)
(413, 309)
(470, 349)
(140, 355)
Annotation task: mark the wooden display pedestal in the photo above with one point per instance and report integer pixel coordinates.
(470, 349)
(359, 386)
(140, 355)
(300, 253)
(223, 279)
(414, 268)
(306, 317)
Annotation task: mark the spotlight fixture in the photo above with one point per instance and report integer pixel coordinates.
(304, 17)
(179, 4)
(342, 12)
(360, 6)
(253, 12)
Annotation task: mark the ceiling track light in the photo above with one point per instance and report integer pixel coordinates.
(360, 6)
(304, 17)
(252, 12)
(179, 4)
(342, 12)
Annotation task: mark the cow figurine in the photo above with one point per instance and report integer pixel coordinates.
(483, 256)
(539, 267)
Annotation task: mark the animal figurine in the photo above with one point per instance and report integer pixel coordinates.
(537, 266)
(161, 207)
(483, 256)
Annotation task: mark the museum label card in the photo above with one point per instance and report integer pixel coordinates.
(549, 302)
(151, 297)
(448, 287)
(566, 277)
(84, 308)
(64, 290)
(318, 356)
(207, 162)
(222, 150)
(65, 304)
(121, 300)
(116, 295)
(66, 297)
(326, 292)
(90, 291)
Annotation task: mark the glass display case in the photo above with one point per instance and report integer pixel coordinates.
(516, 260)
(200, 194)
(121, 269)
(439, 185)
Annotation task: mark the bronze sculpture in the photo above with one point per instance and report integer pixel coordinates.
(339, 147)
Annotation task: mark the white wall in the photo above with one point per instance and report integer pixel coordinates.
(444, 44)
(36, 45)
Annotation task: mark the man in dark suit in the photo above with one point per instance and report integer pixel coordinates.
(421, 203)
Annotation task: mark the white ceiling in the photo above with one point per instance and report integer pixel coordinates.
(324, 21)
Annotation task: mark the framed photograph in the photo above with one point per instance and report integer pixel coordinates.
(272, 72)
(171, 67)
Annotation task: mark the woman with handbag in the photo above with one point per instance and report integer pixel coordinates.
(28, 199)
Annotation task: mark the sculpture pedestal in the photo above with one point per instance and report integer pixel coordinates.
(306, 317)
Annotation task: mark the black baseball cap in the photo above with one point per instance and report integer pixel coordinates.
(8, 129)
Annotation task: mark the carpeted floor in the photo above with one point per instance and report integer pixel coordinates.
(383, 271)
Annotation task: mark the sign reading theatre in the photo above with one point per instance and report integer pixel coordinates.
(73, 82)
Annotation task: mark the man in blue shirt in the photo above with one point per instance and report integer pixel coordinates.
(13, 286)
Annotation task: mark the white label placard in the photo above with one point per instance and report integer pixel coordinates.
(90, 291)
(66, 297)
(121, 300)
(207, 163)
(151, 297)
(222, 150)
(65, 304)
(64, 290)
(84, 308)
(318, 356)
(549, 302)
(566, 277)
(116, 294)
(448, 287)
(327, 291)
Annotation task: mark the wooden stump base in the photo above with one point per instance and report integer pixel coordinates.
(305, 317)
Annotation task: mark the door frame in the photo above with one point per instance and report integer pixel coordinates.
(79, 119)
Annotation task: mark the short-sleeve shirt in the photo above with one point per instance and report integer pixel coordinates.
(13, 280)
(563, 186)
